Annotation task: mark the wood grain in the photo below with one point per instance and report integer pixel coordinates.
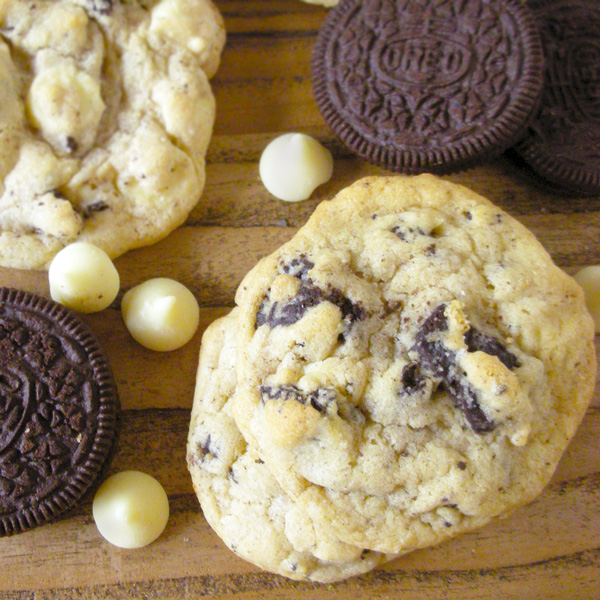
(549, 549)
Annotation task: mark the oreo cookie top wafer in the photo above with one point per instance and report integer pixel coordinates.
(563, 143)
(428, 86)
(58, 410)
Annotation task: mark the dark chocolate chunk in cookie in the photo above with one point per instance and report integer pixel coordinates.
(465, 398)
(440, 362)
(563, 143)
(428, 86)
(476, 340)
(309, 295)
(287, 313)
(58, 410)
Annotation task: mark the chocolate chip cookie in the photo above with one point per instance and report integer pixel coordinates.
(401, 363)
(240, 498)
(106, 112)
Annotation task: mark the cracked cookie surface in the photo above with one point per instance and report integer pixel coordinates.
(106, 113)
(240, 498)
(401, 363)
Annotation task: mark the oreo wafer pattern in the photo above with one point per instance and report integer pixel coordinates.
(430, 86)
(58, 410)
(563, 143)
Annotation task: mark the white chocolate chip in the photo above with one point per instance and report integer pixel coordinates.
(131, 509)
(66, 106)
(161, 314)
(589, 279)
(293, 165)
(83, 278)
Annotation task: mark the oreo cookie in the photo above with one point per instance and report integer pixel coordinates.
(58, 410)
(563, 143)
(428, 86)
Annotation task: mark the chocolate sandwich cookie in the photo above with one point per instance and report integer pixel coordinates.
(432, 86)
(58, 410)
(563, 143)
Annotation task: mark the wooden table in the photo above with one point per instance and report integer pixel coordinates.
(549, 549)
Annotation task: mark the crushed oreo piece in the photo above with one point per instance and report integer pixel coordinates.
(412, 380)
(320, 399)
(407, 234)
(465, 398)
(440, 362)
(434, 355)
(351, 311)
(206, 447)
(94, 207)
(476, 340)
(285, 314)
(309, 295)
(298, 267)
(71, 144)
(281, 392)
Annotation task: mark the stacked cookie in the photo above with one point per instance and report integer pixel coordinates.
(106, 112)
(391, 377)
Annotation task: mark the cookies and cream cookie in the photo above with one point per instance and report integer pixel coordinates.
(401, 363)
(105, 116)
(240, 498)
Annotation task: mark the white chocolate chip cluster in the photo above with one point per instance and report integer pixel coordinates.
(293, 165)
(161, 314)
(131, 509)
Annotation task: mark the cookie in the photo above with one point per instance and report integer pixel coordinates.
(434, 86)
(563, 143)
(240, 498)
(106, 113)
(401, 363)
(58, 411)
